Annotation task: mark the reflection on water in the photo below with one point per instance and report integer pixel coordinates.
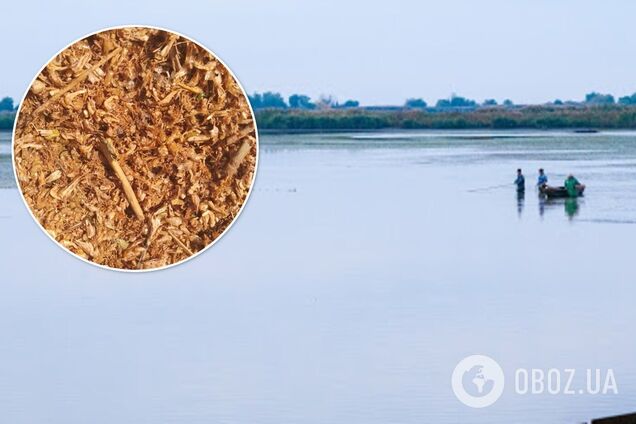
(6, 172)
(521, 197)
(570, 205)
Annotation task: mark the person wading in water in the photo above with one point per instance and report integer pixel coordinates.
(520, 182)
(543, 179)
(572, 185)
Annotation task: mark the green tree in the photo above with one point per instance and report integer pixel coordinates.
(456, 102)
(628, 100)
(415, 104)
(267, 100)
(256, 100)
(599, 99)
(350, 104)
(301, 101)
(6, 104)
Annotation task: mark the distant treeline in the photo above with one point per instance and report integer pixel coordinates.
(537, 117)
(300, 113)
(272, 100)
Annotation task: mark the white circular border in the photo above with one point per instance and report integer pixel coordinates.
(458, 386)
(213, 242)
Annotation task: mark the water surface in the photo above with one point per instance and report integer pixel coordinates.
(364, 267)
(6, 172)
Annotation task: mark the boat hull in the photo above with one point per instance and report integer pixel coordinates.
(559, 192)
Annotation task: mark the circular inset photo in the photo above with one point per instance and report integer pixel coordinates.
(135, 148)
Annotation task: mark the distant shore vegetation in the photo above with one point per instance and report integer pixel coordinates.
(299, 112)
(7, 113)
(525, 117)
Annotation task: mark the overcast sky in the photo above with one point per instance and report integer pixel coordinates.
(531, 51)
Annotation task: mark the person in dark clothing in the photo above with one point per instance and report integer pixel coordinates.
(543, 179)
(520, 182)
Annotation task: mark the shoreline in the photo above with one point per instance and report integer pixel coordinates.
(583, 131)
(580, 131)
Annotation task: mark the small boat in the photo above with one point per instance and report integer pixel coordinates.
(586, 131)
(553, 192)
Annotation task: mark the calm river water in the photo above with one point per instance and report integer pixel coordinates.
(363, 268)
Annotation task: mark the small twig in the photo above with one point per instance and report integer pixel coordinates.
(180, 243)
(236, 161)
(195, 90)
(68, 190)
(153, 225)
(236, 137)
(108, 150)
